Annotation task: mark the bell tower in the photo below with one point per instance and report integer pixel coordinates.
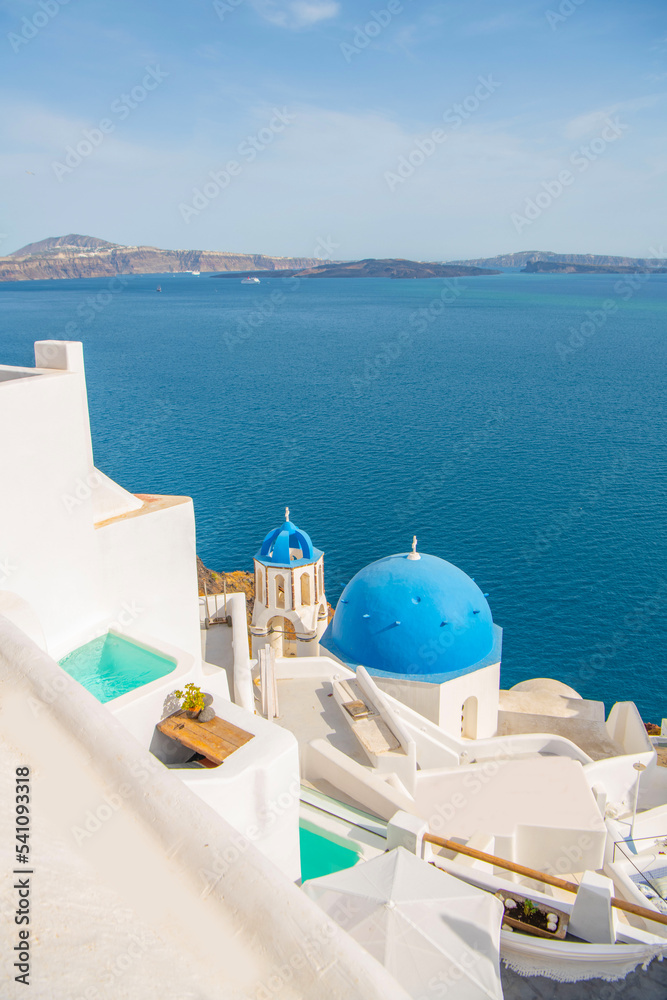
(290, 610)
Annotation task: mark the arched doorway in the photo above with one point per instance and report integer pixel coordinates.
(469, 718)
(282, 636)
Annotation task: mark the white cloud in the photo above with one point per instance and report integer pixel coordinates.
(505, 21)
(324, 175)
(593, 121)
(297, 13)
(309, 12)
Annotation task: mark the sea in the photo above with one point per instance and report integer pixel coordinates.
(515, 423)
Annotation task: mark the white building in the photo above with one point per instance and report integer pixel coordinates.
(424, 631)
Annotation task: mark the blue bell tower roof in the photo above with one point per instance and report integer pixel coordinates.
(287, 546)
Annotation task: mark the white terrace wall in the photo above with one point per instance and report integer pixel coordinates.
(48, 548)
(137, 569)
(151, 572)
(222, 922)
(443, 703)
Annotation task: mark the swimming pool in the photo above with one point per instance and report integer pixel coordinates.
(321, 855)
(111, 665)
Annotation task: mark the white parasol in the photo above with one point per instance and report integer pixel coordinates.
(434, 933)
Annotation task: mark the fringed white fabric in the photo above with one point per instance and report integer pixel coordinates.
(572, 971)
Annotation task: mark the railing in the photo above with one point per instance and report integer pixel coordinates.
(216, 619)
(537, 876)
(660, 840)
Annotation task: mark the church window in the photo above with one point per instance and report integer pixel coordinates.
(305, 588)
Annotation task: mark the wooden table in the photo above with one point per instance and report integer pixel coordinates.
(215, 740)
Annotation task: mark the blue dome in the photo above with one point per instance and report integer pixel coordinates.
(287, 546)
(421, 617)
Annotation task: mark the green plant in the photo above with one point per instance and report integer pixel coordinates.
(529, 907)
(192, 698)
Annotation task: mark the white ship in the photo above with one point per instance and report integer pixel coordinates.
(250, 281)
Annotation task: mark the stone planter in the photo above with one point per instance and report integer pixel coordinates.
(536, 919)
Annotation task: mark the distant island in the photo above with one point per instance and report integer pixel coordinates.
(76, 256)
(385, 268)
(558, 267)
(586, 263)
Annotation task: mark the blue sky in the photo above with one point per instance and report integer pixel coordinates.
(361, 90)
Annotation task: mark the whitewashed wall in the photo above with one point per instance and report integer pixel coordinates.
(48, 544)
(150, 573)
(137, 571)
(211, 915)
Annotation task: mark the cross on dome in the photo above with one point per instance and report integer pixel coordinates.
(414, 554)
(287, 513)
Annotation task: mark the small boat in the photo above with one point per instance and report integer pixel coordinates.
(159, 288)
(195, 273)
(249, 281)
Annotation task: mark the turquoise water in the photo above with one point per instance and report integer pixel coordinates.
(321, 856)
(538, 469)
(110, 666)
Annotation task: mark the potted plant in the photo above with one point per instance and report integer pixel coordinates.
(524, 914)
(192, 700)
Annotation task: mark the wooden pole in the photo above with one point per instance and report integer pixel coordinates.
(559, 883)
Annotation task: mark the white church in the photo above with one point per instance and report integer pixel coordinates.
(420, 626)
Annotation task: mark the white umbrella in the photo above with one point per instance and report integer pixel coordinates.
(434, 933)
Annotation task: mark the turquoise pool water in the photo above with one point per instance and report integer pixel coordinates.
(110, 666)
(321, 856)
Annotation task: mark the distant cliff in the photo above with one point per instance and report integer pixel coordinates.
(525, 257)
(77, 256)
(557, 267)
(73, 241)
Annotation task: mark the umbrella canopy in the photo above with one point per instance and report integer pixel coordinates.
(434, 933)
